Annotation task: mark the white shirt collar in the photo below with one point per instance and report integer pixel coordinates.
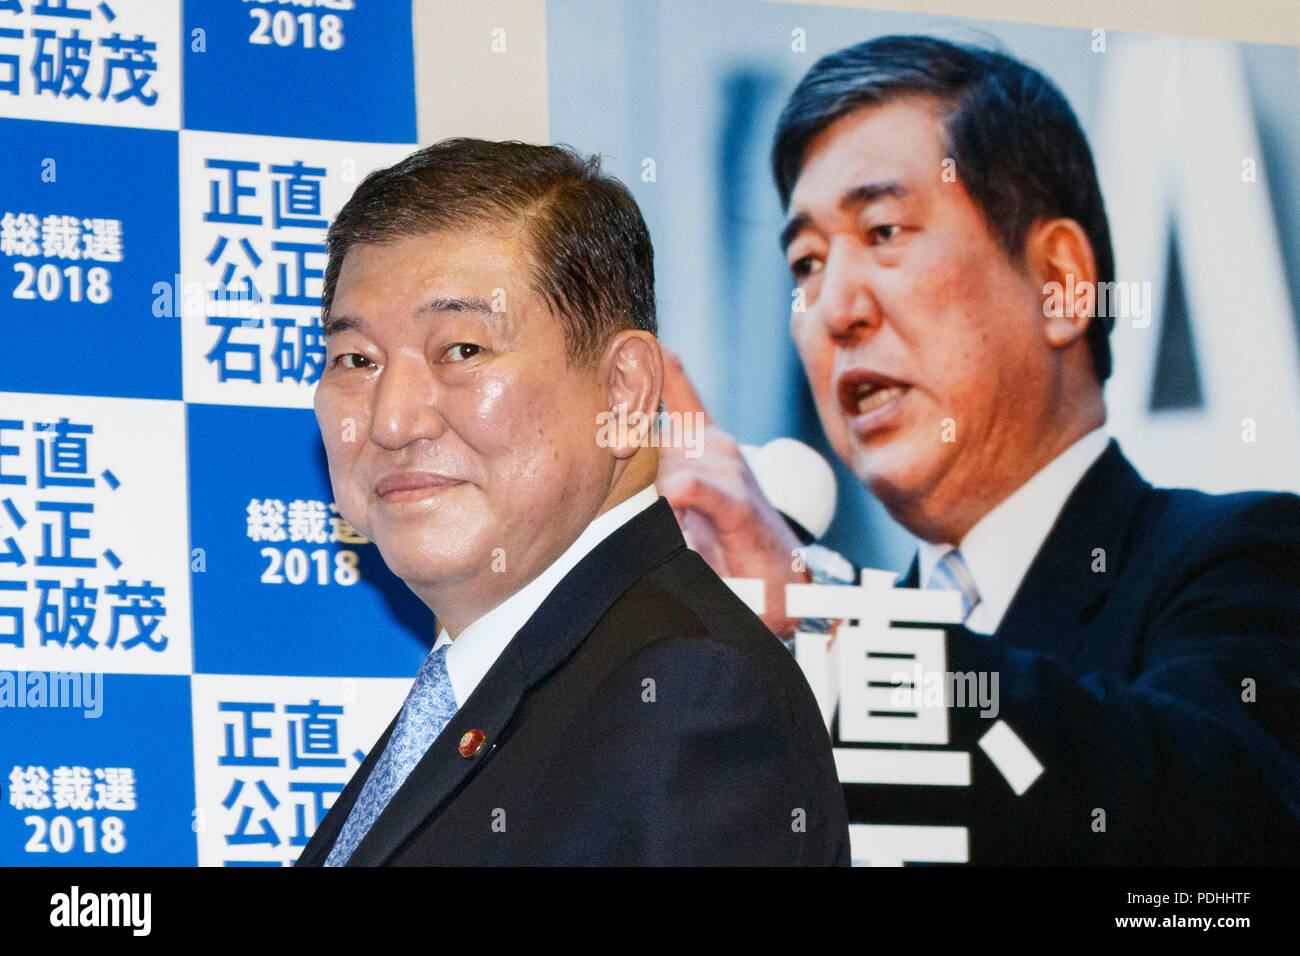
(1002, 545)
(481, 643)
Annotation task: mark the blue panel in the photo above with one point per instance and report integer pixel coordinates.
(70, 343)
(374, 628)
(144, 726)
(361, 90)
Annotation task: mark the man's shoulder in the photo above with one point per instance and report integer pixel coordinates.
(1127, 554)
(684, 596)
(1187, 550)
(1156, 524)
(1186, 522)
(683, 617)
(686, 732)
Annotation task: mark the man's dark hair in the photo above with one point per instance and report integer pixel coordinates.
(1017, 145)
(591, 254)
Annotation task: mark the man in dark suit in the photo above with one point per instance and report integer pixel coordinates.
(1149, 662)
(597, 694)
(946, 233)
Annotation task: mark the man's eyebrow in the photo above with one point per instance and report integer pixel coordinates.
(341, 323)
(443, 303)
(792, 229)
(870, 192)
(455, 303)
(862, 195)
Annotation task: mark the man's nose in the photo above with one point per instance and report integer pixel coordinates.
(407, 402)
(847, 302)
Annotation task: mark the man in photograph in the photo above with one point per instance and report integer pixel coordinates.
(1145, 639)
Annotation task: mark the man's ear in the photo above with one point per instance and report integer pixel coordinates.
(1058, 252)
(632, 373)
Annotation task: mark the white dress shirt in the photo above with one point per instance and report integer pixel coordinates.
(1002, 544)
(481, 643)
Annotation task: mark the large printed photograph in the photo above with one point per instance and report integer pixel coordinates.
(1013, 283)
(830, 436)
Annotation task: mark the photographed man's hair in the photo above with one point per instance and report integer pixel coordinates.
(591, 254)
(1018, 148)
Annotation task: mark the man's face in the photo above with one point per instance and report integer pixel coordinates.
(921, 340)
(453, 430)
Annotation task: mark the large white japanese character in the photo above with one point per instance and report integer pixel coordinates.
(29, 789)
(115, 789)
(61, 237)
(102, 240)
(266, 519)
(72, 788)
(861, 669)
(307, 521)
(20, 235)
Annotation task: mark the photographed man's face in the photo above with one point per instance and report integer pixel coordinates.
(919, 335)
(453, 430)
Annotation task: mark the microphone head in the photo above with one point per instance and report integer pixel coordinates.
(797, 480)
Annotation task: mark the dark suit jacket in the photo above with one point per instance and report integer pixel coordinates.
(643, 715)
(1127, 684)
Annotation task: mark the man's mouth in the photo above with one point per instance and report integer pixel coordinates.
(872, 398)
(413, 485)
(862, 392)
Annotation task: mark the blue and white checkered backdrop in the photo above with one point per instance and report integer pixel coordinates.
(167, 531)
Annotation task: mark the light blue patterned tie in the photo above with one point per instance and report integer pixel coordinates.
(429, 707)
(952, 574)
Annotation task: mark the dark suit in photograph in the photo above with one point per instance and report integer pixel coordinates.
(1161, 694)
(642, 715)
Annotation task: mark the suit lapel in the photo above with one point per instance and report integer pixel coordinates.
(545, 641)
(912, 579)
(1061, 591)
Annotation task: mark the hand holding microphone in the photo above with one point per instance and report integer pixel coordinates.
(732, 501)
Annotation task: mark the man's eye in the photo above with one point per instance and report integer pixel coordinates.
(344, 356)
(805, 266)
(463, 350)
(885, 233)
